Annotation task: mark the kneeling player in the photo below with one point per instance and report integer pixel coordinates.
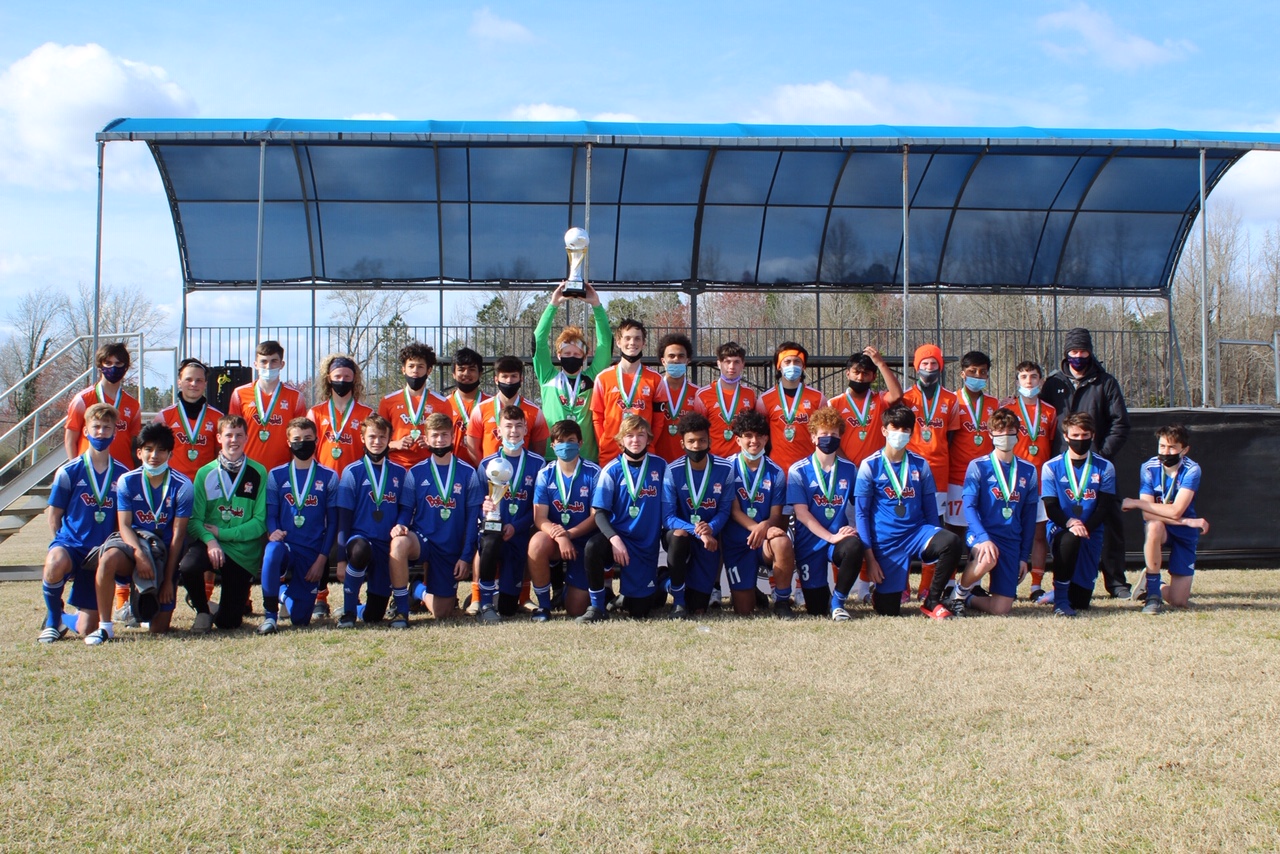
(819, 489)
(302, 521)
(697, 497)
(896, 511)
(504, 555)
(1170, 481)
(564, 520)
(1001, 498)
(81, 516)
(757, 531)
(153, 504)
(628, 505)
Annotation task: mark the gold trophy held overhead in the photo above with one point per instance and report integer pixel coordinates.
(576, 242)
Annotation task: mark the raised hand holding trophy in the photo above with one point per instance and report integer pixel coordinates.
(575, 245)
(499, 474)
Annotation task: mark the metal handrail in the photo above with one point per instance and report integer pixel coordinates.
(34, 416)
(35, 443)
(51, 359)
(1273, 345)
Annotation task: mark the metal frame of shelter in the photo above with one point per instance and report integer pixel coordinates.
(1010, 210)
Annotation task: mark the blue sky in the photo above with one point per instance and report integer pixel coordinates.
(68, 68)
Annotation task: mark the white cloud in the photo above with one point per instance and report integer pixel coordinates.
(614, 117)
(545, 113)
(1098, 37)
(866, 99)
(53, 101)
(487, 26)
(373, 117)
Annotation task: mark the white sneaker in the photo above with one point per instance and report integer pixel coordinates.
(98, 637)
(839, 614)
(862, 591)
(1047, 598)
(202, 623)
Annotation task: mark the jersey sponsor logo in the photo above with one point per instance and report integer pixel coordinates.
(999, 496)
(202, 440)
(236, 512)
(571, 507)
(146, 517)
(909, 492)
(970, 426)
(707, 503)
(647, 492)
(343, 438)
(821, 500)
(311, 501)
(89, 501)
(437, 503)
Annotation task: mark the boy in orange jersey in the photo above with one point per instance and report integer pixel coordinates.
(677, 395)
(408, 408)
(787, 406)
(726, 397)
(113, 363)
(972, 437)
(628, 388)
(267, 406)
(483, 439)
(1037, 421)
(463, 397)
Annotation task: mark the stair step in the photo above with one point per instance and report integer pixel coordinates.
(28, 505)
(10, 525)
(21, 573)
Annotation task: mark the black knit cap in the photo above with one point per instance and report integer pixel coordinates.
(1078, 339)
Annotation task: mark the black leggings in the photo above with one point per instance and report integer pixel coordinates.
(944, 550)
(1066, 549)
(235, 584)
(848, 555)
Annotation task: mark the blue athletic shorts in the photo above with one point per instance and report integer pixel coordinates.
(895, 557)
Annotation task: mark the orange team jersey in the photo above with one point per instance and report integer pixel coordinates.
(338, 444)
(725, 445)
(608, 406)
(863, 435)
(667, 444)
(205, 435)
(274, 449)
(395, 409)
(1040, 417)
(946, 416)
(483, 426)
(973, 440)
(128, 425)
(782, 450)
(461, 414)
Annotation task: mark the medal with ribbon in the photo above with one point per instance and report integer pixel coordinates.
(1076, 488)
(102, 398)
(517, 481)
(300, 495)
(753, 488)
(863, 415)
(897, 482)
(1033, 424)
(628, 397)
(1169, 491)
(415, 413)
(566, 491)
(826, 487)
(338, 427)
(633, 486)
(377, 483)
(926, 434)
(727, 412)
(228, 492)
(674, 406)
(192, 432)
(1004, 483)
(696, 497)
(443, 488)
(789, 415)
(975, 415)
(263, 415)
(100, 490)
(156, 507)
(568, 394)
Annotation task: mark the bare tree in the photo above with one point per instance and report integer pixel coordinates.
(37, 320)
(123, 308)
(362, 317)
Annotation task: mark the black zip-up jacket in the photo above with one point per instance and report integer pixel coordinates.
(1096, 393)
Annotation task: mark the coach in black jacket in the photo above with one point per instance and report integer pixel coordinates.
(1081, 385)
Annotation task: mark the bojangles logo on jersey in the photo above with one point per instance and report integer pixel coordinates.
(223, 509)
(571, 507)
(909, 492)
(435, 502)
(311, 501)
(339, 439)
(146, 517)
(388, 497)
(821, 500)
(89, 501)
(1014, 497)
(647, 492)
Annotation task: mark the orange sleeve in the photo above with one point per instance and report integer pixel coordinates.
(475, 422)
(538, 433)
(75, 413)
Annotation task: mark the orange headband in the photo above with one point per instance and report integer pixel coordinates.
(786, 353)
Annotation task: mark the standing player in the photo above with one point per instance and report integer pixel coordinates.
(788, 405)
(407, 409)
(1037, 424)
(971, 438)
(113, 363)
(564, 521)
(629, 388)
(302, 524)
(567, 388)
(820, 490)
(1170, 481)
(483, 437)
(463, 397)
(697, 498)
(677, 396)
(628, 505)
(1001, 498)
(897, 517)
(725, 398)
(1079, 489)
(756, 535)
(267, 406)
(82, 514)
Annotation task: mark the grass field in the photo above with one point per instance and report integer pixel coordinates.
(1114, 731)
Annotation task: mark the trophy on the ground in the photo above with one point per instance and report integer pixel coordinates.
(499, 474)
(575, 245)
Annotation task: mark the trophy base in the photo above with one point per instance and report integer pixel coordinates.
(575, 289)
(493, 526)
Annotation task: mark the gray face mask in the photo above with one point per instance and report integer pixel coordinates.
(1004, 443)
(928, 377)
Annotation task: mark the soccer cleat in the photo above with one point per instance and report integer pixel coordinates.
(347, 621)
(320, 611)
(1046, 598)
(124, 616)
(489, 616)
(400, 622)
(957, 606)
(268, 626)
(1035, 595)
(473, 607)
(678, 612)
(906, 595)
(202, 623)
(591, 615)
(1139, 594)
(97, 637)
(540, 615)
(839, 614)
(783, 611)
(935, 610)
(1064, 609)
(1122, 591)
(1155, 605)
(52, 633)
(979, 591)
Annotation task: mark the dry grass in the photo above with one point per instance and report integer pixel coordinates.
(1113, 731)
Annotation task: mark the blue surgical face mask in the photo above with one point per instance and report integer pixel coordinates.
(1034, 391)
(566, 450)
(753, 457)
(828, 444)
(269, 374)
(100, 443)
(155, 471)
(975, 383)
(733, 381)
(791, 373)
(676, 370)
(512, 448)
(897, 439)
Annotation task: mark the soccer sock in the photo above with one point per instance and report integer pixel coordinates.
(208, 589)
(837, 599)
(1037, 575)
(401, 597)
(72, 622)
(1153, 585)
(543, 595)
(122, 596)
(420, 592)
(487, 591)
(926, 577)
(106, 626)
(597, 598)
(963, 591)
(524, 591)
(323, 595)
(351, 590)
(272, 562)
(677, 596)
(53, 602)
(1062, 597)
(781, 594)
(475, 591)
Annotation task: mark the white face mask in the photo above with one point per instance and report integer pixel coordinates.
(269, 374)
(1034, 391)
(897, 439)
(1004, 443)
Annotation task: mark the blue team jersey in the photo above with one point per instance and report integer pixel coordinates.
(1157, 483)
(803, 489)
(1054, 484)
(985, 504)
(447, 522)
(175, 503)
(580, 487)
(878, 519)
(642, 529)
(678, 495)
(356, 494)
(73, 493)
(771, 492)
(319, 512)
(520, 495)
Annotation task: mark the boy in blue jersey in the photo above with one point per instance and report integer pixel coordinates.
(756, 535)
(82, 514)
(302, 524)
(153, 504)
(1170, 481)
(445, 497)
(1079, 490)
(628, 504)
(564, 521)
(508, 549)
(820, 492)
(375, 504)
(1001, 499)
(697, 498)
(897, 512)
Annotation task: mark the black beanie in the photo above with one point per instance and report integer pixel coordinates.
(1078, 339)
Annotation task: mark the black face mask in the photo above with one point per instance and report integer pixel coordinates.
(859, 387)
(829, 444)
(442, 451)
(571, 364)
(631, 360)
(1080, 446)
(632, 455)
(416, 383)
(376, 458)
(467, 388)
(303, 449)
(928, 378)
(1170, 460)
(341, 388)
(509, 390)
(696, 456)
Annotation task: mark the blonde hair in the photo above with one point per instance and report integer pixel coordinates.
(322, 377)
(572, 335)
(633, 424)
(101, 412)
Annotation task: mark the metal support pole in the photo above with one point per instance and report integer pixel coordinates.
(1168, 297)
(693, 322)
(1057, 342)
(262, 190)
(937, 316)
(1275, 357)
(183, 344)
(97, 260)
(906, 260)
(440, 322)
(1204, 292)
(586, 216)
(315, 350)
(142, 373)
